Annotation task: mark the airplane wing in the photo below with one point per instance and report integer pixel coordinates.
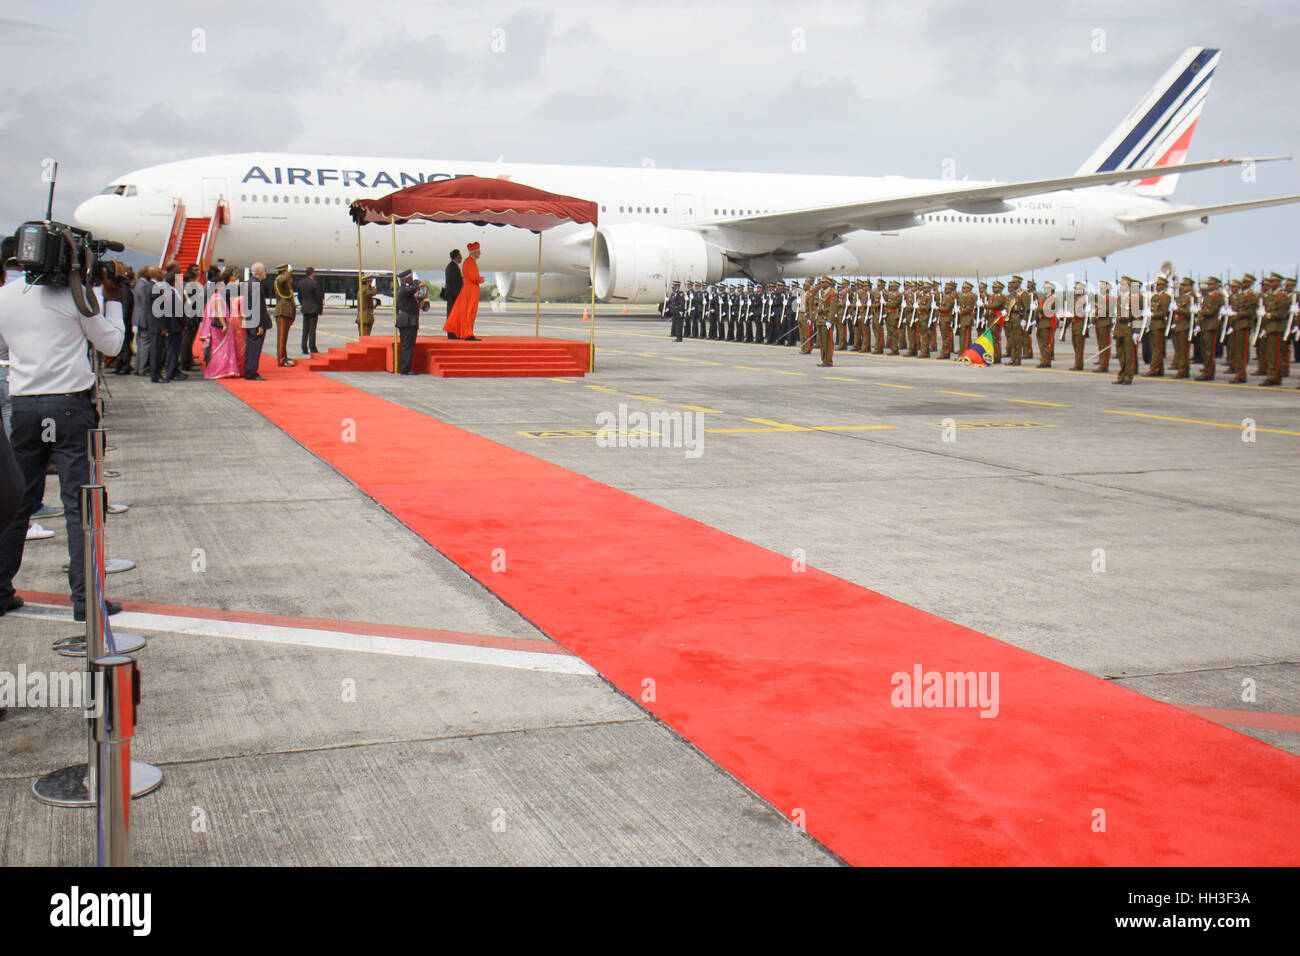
(901, 211)
(1199, 212)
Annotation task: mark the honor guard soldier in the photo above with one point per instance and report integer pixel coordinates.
(1245, 309)
(1031, 323)
(825, 325)
(1212, 303)
(967, 304)
(366, 305)
(1293, 319)
(1045, 308)
(878, 318)
(285, 311)
(1122, 330)
(924, 309)
(997, 311)
(1103, 310)
(1161, 305)
(1277, 307)
(675, 310)
(1180, 325)
(806, 317)
(1079, 308)
(1017, 315)
(947, 307)
(893, 317)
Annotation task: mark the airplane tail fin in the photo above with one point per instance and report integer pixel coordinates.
(1158, 130)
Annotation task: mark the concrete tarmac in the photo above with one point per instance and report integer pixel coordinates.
(1143, 534)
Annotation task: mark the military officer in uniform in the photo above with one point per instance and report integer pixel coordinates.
(1161, 304)
(1044, 310)
(1245, 308)
(806, 316)
(1031, 322)
(1125, 352)
(1212, 302)
(921, 333)
(1079, 308)
(947, 308)
(997, 311)
(1277, 305)
(967, 303)
(675, 309)
(1104, 308)
(1182, 323)
(893, 316)
(1017, 314)
(878, 317)
(827, 306)
(285, 312)
(366, 305)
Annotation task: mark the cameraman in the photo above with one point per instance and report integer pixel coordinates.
(51, 379)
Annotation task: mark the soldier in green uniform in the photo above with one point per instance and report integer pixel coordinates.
(1045, 307)
(967, 303)
(839, 311)
(1245, 309)
(807, 316)
(878, 317)
(1017, 315)
(366, 305)
(1079, 308)
(893, 316)
(921, 330)
(1207, 317)
(1182, 323)
(1031, 322)
(825, 324)
(947, 308)
(1122, 330)
(285, 311)
(1277, 304)
(860, 300)
(1161, 303)
(1102, 311)
(996, 313)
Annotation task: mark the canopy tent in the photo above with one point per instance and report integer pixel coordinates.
(480, 201)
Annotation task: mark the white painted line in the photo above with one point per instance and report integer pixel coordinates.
(129, 621)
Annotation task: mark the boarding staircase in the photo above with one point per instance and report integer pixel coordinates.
(194, 241)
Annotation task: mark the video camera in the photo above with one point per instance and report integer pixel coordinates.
(55, 254)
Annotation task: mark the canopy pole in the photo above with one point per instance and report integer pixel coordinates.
(591, 346)
(393, 220)
(538, 331)
(360, 270)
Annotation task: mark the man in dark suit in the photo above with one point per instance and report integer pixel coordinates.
(122, 364)
(257, 320)
(452, 283)
(166, 322)
(409, 304)
(312, 301)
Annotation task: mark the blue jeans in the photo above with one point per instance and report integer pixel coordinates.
(45, 428)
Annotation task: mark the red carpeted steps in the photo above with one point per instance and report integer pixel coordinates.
(495, 357)
(191, 241)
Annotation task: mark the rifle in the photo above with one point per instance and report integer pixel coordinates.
(1291, 325)
(1223, 326)
(1146, 314)
(1259, 318)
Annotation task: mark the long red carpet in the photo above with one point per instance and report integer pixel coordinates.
(784, 678)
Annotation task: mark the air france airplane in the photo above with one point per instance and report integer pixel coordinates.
(657, 225)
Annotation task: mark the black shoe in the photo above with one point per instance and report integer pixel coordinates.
(179, 376)
(405, 373)
(452, 335)
(254, 378)
(472, 338)
(158, 381)
(79, 614)
(13, 604)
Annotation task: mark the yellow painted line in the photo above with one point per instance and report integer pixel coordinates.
(599, 388)
(569, 381)
(749, 368)
(701, 408)
(963, 394)
(768, 421)
(702, 362)
(644, 398)
(838, 378)
(779, 427)
(892, 385)
(647, 354)
(781, 371)
(1026, 401)
(1197, 421)
(674, 358)
(848, 428)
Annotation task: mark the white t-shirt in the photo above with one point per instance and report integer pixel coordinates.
(46, 337)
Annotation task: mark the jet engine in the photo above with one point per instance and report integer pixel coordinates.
(636, 263)
(522, 286)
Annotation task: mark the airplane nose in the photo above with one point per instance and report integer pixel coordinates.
(89, 214)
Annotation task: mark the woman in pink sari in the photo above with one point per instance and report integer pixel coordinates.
(222, 331)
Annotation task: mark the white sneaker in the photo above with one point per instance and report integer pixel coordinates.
(35, 532)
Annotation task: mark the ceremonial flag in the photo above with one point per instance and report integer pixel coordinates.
(981, 353)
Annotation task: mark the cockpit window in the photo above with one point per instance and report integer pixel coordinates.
(118, 190)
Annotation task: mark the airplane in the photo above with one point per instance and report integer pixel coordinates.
(660, 225)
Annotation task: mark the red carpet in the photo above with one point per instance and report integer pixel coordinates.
(500, 356)
(785, 678)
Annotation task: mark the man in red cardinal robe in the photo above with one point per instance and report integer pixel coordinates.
(461, 321)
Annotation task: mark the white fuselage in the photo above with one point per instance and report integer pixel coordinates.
(294, 207)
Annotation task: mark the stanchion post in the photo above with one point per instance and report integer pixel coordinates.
(117, 686)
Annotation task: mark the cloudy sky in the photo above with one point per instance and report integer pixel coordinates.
(1024, 89)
